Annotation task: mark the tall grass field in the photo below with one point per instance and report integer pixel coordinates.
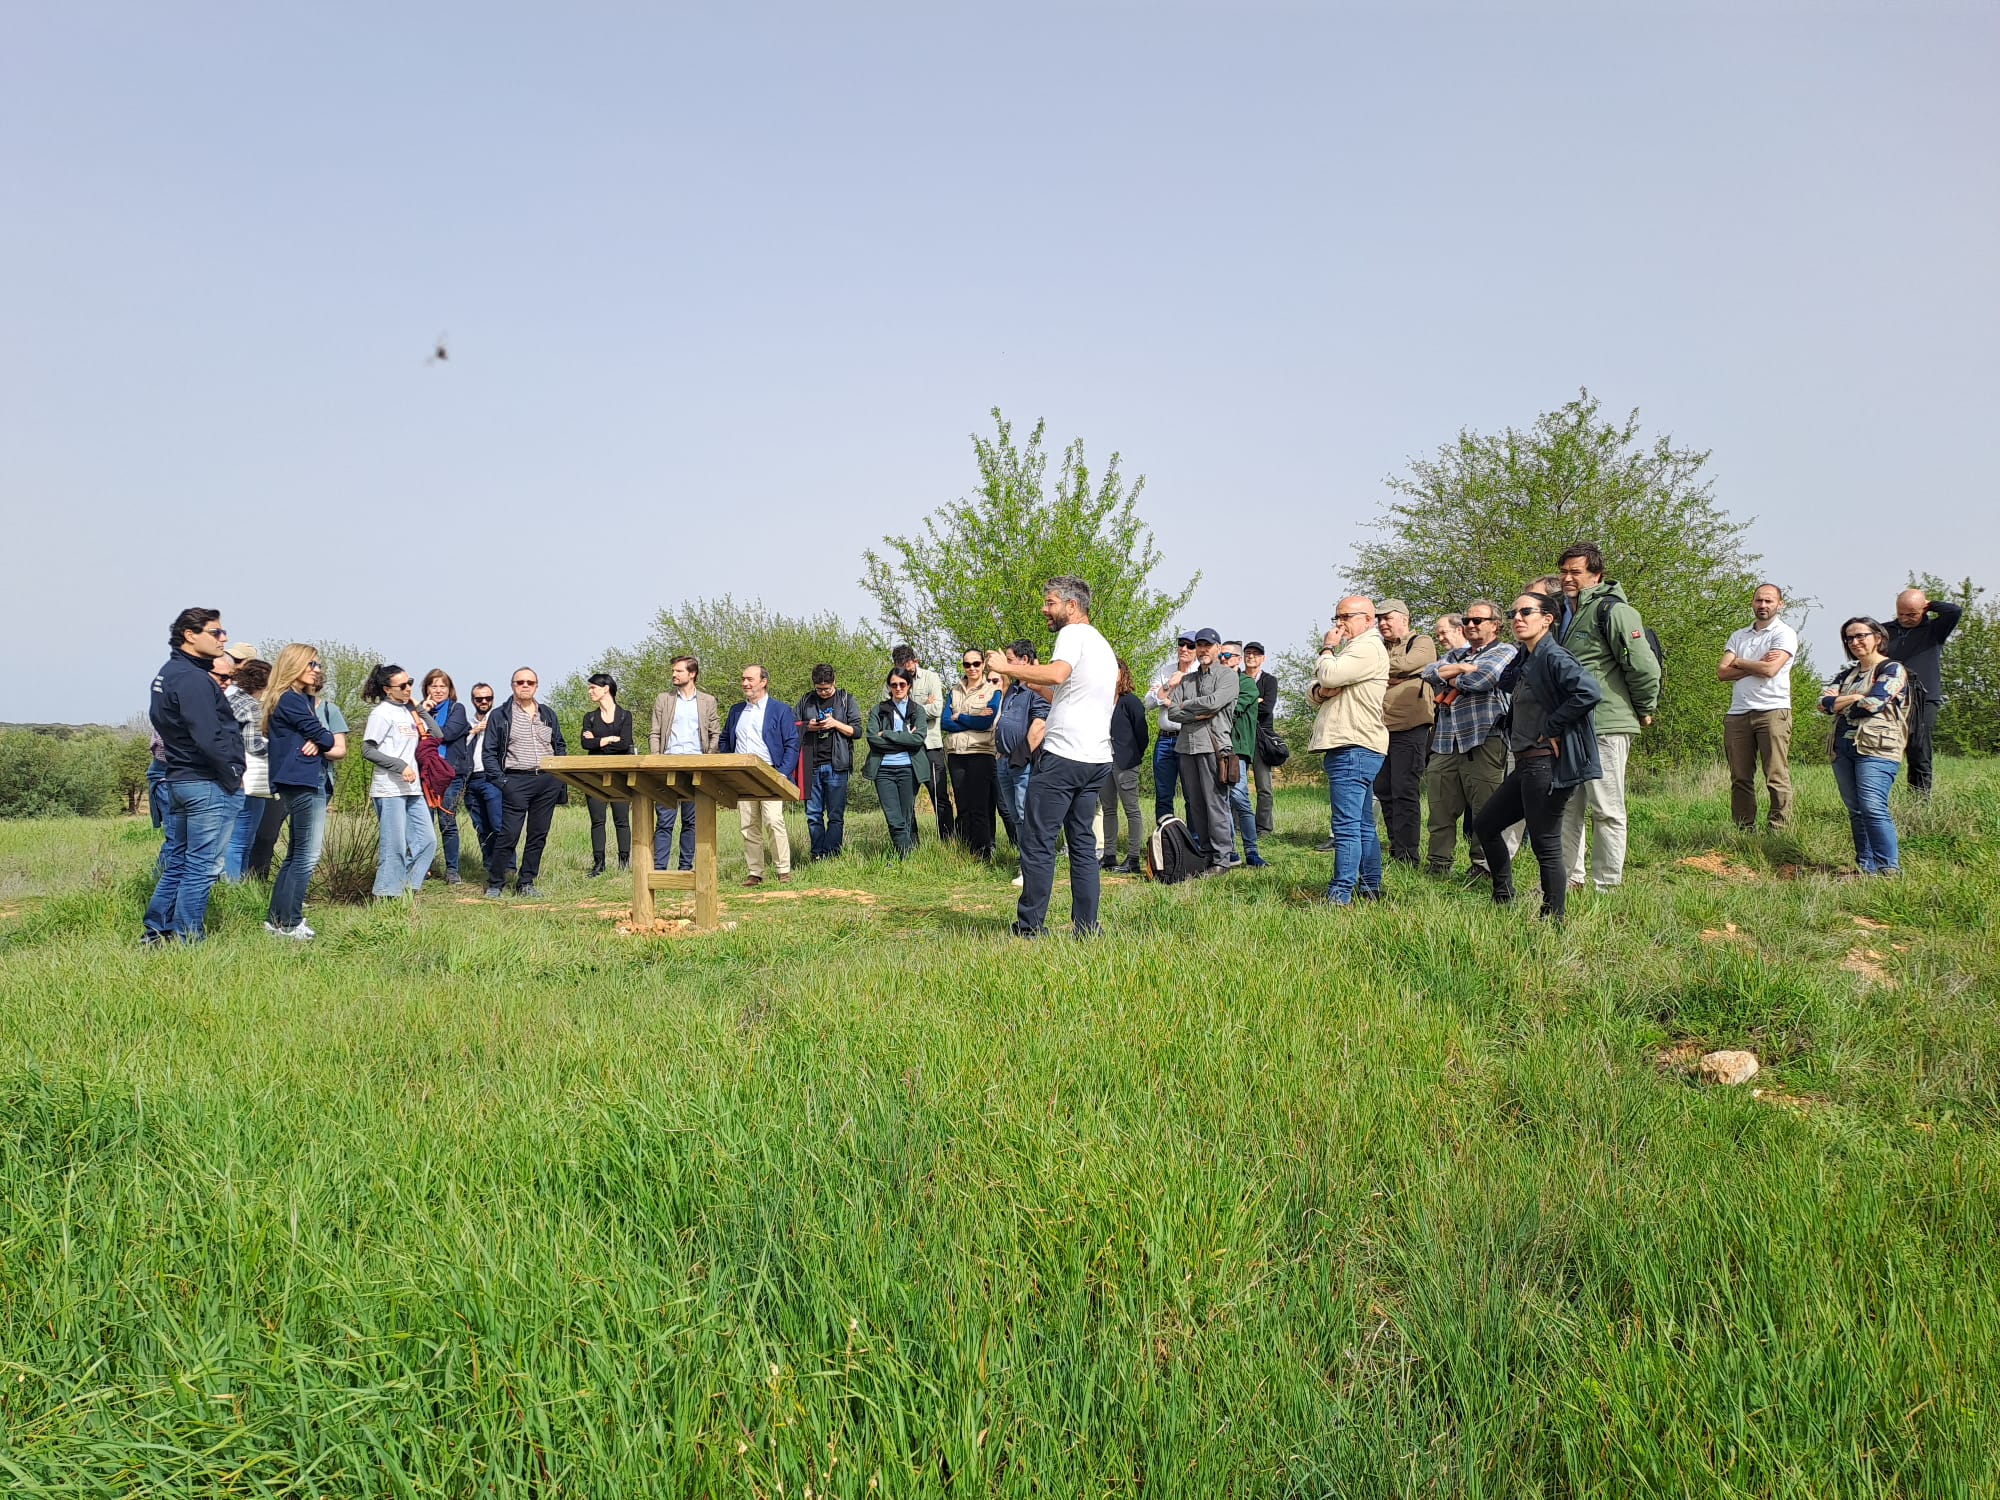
(861, 1197)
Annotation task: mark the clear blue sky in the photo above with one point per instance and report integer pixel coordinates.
(728, 287)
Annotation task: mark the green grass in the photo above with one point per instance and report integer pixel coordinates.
(1248, 1196)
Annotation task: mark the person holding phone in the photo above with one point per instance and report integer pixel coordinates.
(829, 719)
(405, 840)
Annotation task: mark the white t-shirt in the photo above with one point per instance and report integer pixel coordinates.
(1753, 694)
(393, 728)
(1079, 726)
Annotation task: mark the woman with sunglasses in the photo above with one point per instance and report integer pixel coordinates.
(1553, 735)
(970, 706)
(406, 841)
(897, 762)
(297, 745)
(1869, 702)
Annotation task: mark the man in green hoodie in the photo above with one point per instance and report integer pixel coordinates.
(1610, 644)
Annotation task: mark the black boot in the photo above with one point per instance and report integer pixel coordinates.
(595, 870)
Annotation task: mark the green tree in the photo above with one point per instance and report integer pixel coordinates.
(974, 574)
(1490, 512)
(1969, 723)
(48, 775)
(347, 668)
(725, 637)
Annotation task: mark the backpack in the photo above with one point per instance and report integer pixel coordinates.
(1652, 637)
(1170, 853)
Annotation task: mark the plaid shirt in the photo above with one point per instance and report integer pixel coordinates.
(1470, 719)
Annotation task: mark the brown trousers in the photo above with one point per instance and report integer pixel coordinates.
(1765, 735)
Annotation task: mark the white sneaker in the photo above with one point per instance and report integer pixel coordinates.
(1018, 880)
(300, 933)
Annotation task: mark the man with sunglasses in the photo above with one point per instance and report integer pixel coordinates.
(483, 798)
(519, 735)
(203, 755)
(1468, 743)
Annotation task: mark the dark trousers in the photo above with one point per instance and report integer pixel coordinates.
(1922, 734)
(972, 788)
(665, 815)
(1526, 796)
(446, 814)
(1166, 771)
(1062, 797)
(264, 846)
(1399, 787)
(940, 790)
(621, 819)
(484, 803)
(528, 800)
(1003, 799)
(896, 786)
(1208, 818)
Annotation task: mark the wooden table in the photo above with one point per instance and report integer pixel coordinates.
(707, 781)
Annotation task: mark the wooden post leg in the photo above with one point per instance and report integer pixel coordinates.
(707, 911)
(642, 858)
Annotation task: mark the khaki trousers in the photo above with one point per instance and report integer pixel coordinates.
(1603, 803)
(1763, 734)
(761, 819)
(1457, 784)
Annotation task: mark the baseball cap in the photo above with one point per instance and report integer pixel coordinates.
(242, 650)
(1185, 638)
(1207, 637)
(1391, 607)
(1257, 646)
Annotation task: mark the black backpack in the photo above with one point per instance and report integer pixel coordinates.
(1171, 856)
(1652, 637)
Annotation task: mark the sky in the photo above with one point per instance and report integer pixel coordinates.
(728, 289)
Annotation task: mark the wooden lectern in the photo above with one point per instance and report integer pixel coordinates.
(711, 781)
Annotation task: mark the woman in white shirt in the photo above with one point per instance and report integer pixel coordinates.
(389, 744)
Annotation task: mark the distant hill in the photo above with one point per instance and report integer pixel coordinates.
(72, 731)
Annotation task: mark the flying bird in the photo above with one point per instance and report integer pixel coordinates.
(440, 353)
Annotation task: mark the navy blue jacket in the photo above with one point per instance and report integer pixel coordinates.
(781, 736)
(201, 738)
(1018, 709)
(293, 724)
(456, 744)
(1565, 693)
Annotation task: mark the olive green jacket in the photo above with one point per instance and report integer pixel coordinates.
(1623, 665)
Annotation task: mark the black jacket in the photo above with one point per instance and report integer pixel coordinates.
(454, 743)
(1554, 702)
(814, 742)
(202, 740)
(501, 720)
(1130, 733)
(1919, 647)
(1267, 700)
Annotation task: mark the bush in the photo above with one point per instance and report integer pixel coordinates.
(44, 775)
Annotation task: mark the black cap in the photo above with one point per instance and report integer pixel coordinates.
(1207, 637)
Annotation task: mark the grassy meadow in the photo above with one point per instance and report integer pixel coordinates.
(860, 1197)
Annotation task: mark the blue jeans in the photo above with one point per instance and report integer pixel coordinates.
(1014, 797)
(1063, 796)
(1357, 847)
(1864, 782)
(242, 836)
(305, 809)
(156, 792)
(404, 845)
(665, 815)
(483, 802)
(826, 809)
(236, 800)
(1166, 775)
(1241, 809)
(200, 815)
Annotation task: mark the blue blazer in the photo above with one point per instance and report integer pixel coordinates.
(293, 723)
(781, 736)
(453, 736)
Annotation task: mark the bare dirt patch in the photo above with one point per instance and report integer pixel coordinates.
(1867, 963)
(1715, 864)
(1728, 932)
(1870, 924)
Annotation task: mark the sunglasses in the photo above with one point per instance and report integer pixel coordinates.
(477, 699)
(525, 682)
(1519, 614)
(973, 661)
(1859, 635)
(218, 632)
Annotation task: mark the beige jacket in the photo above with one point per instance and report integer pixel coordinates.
(1353, 715)
(663, 721)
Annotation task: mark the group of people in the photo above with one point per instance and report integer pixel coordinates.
(1515, 740)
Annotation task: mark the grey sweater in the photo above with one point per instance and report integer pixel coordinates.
(1205, 705)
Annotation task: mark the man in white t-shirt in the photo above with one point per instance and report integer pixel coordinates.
(1081, 683)
(1758, 665)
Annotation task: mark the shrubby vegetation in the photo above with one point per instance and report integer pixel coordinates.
(1970, 722)
(974, 576)
(55, 769)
